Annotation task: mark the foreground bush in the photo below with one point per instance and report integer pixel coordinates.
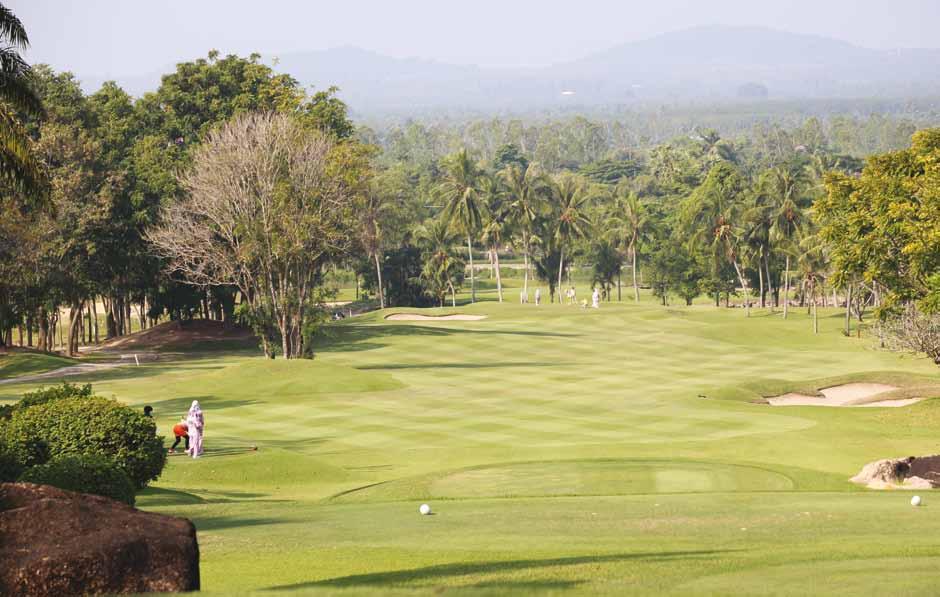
(10, 465)
(45, 395)
(83, 474)
(87, 426)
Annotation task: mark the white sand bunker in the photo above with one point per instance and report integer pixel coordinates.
(850, 394)
(419, 317)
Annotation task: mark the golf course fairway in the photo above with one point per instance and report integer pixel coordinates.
(563, 450)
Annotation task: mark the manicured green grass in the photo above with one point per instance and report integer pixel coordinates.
(563, 450)
(15, 364)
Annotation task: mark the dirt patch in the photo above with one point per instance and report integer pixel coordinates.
(176, 335)
(419, 317)
(901, 473)
(851, 395)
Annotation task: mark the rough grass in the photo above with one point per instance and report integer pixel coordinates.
(563, 450)
(17, 363)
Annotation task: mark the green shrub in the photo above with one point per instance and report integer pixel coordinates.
(10, 465)
(45, 395)
(91, 426)
(84, 474)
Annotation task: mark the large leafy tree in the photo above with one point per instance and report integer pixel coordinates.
(267, 207)
(885, 225)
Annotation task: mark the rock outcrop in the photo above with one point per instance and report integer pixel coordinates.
(913, 472)
(55, 542)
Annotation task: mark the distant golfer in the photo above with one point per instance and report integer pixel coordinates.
(538, 297)
(181, 431)
(523, 297)
(573, 297)
(596, 299)
(195, 425)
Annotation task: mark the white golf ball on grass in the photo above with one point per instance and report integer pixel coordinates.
(424, 509)
(915, 501)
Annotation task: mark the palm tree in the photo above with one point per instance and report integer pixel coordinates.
(812, 261)
(631, 222)
(757, 224)
(442, 266)
(570, 197)
(372, 212)
(526, 190)
(497, 215)
(18, 166)
(462, 202)
(713, 214)
(786, 186)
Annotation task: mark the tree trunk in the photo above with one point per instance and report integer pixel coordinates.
(815, 315)
(636, 288)
(619, 272)
(848, 311)
(760, 281)
(561, 263)
(43, 325)
(473, 287)
(525, 257)
(29, 329)
(75, 321)
(770, 283)
(94, 316)
(499, 278)
(747, 298)
(786, 289)
(378, 274)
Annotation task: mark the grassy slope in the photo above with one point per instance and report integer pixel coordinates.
(562, 449)
(14, 364)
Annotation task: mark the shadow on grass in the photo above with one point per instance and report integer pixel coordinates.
(349, 338)
(208, 403)
(157, 496)
(221, 523)
(444, 571)
(455, 366)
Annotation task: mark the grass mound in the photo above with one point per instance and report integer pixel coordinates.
(184, 335)
(17, 363)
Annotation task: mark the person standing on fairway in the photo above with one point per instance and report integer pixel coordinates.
(596, 299)
(538, 297)
(196, 423)
(523, 297)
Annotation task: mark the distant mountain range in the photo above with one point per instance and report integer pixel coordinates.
(714, 63)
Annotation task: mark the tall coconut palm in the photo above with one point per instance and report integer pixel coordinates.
(442, 266)
(373, 210)
(526, 189)
(786, 187)
(18, 166)
(495, 222)
(462, 202)
(713, 215)
(812, 261)
(570, 198)
(631, 223)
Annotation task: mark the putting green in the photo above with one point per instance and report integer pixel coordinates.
(566, 450)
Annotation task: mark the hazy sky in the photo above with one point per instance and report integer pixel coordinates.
(125, 37)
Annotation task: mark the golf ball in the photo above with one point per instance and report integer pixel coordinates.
(915, 501)
(424, 509)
